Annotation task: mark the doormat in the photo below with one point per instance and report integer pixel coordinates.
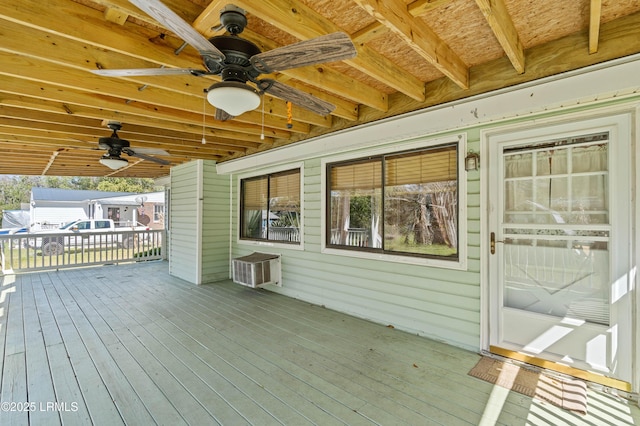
(568, 394)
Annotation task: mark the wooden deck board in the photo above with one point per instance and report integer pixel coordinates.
(75, 358)
(39, 378)
(132, 345)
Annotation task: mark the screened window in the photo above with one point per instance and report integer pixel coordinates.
(270, 207)
(401, 203)
(158, 212)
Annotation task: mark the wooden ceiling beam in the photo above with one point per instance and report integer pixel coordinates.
(187, 10)
(394, 15)
(78, 135)
(619, 38)
(309, 24)
(70, 97)
(496, 14)
(39, 142)
(78, 22)
(29, 94)
(595, 12)
(377, 29)
(73, 136)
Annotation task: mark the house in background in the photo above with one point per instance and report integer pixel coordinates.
(52, 207)
(145, 209)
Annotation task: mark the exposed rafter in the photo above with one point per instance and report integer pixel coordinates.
(411, 55)
(595, 12)
(394, 15)
(495, 11)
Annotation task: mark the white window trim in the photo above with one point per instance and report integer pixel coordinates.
(421, 143)
(263, 172)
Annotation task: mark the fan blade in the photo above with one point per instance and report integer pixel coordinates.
(133, 153)
(296, 97)
(170, 20)
(328, 48)
(223, 115)
(147, 71)
(149, 151)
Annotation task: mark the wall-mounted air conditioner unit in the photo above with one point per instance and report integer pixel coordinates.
(257, 270)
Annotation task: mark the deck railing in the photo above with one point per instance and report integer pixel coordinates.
(42, 251)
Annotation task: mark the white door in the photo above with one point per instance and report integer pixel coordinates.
(560, 245)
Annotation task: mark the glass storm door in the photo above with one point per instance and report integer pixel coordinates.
(559, 246)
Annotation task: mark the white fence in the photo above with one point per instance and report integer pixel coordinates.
(42, 251)
(353, 237)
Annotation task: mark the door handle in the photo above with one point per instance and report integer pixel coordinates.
(493, 243)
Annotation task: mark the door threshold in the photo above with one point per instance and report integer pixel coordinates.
(562, 368)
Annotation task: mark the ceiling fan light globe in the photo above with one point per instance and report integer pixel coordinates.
(114, 163)
(233, 98)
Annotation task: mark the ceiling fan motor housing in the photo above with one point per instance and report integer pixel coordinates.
(233, 19)
(111, 143)
(236, 65)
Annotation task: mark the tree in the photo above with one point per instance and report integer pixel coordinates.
(16, 190)
(126, 185)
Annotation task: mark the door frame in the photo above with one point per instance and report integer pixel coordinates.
(625, 118)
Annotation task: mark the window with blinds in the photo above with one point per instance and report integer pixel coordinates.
(270, 207)
(401, 203)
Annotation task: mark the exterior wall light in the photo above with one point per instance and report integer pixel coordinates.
(471, 161)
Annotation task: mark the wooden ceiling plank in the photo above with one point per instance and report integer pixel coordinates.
(595, 12)
(497, 15)
(394, 15)
(304, 23)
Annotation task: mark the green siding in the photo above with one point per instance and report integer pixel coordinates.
(215, 225)
(183, 228)
(189, 230)
(443, 304)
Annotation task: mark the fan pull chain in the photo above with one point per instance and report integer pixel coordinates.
(204, 111)
(262, 128)
(289, 115)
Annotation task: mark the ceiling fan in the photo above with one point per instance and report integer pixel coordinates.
(116, 146)
(238, 61)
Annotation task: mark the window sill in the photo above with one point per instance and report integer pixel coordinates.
(460, 264)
